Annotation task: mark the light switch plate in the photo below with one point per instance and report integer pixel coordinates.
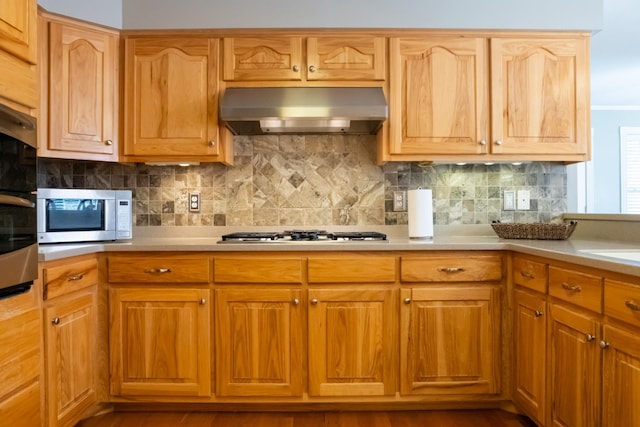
(523, 202)
(509, 203)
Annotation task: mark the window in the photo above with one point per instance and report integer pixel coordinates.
(630, 169)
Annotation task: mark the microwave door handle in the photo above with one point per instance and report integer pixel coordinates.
(16, 201)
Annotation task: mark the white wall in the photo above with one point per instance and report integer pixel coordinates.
(105, 12)
(542, 14)
(488, 14)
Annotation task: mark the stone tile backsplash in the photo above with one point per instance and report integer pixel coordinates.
(315, 180)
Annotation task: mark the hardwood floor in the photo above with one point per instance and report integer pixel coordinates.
(470, 418)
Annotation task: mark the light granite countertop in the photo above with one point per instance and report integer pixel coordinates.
(575, 250)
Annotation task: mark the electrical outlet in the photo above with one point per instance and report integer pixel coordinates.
(509, 203)
(523, 200)
(194, 202)
(399, 201)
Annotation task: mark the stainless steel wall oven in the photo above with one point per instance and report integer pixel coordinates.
(18, 227)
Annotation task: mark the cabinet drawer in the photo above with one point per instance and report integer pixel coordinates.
(352, 270)
(20, 352)
(463, 268)
(257, 270)
(530, 274)
(622, 301)
(578, 288)
(70, 276)
(158, 269)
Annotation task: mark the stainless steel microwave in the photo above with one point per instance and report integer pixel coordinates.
(78, 215)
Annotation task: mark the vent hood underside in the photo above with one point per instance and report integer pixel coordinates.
(302, 110)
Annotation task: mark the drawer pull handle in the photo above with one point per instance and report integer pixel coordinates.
(527, 275)
(450, 269)
(632, 305)
(75, 277)
(158, 270)
(407, 300)
(590, 337)
(538, 313)
(571, 288)
(604, 345)
(56, 321)
(296, 301)
(203, 301)
(314, 301)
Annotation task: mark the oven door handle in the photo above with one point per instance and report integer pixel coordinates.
(16, 201)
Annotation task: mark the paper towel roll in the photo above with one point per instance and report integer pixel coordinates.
(420, 207)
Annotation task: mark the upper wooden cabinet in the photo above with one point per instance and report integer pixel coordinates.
(445, 104)
(18, 41)
(439, 100)
(540, 96)
(171, 100)
(18, 33)
(80, 108)
(340, 57)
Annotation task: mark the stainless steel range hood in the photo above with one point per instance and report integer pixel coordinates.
(302, 110)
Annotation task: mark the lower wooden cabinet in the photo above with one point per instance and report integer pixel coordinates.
(352, 343)
(160, 341)
(71, 327)
(259, 342)
(530, 354)
(574, 368)
(450, 340)
(621, 377)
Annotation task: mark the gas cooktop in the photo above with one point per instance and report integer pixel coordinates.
(303, 236)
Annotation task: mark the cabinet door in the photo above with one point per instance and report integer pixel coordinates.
(259, 342)
(540, 99)
(450, 340)
(262, 58)
(83, 76)
(171, 98)
(439, 95)
(574, 365)
(18, 28)
(621, 391)
(346, 58)
(530, 340)
(160, 341)
(71, 338)
(352, 342)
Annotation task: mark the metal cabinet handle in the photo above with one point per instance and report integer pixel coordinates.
(296, 301)
(604, 345)
(483, 142)
(498, 142)
(314, 301)
(571, 288)
(632, 305)
(212, 143)
(108, 142)
(158, 270)
(203, 301)
(407, 300)
(296, 68)
(312, 68)
(590, 337)
(450, 269)
(75, 277)
(527, 275)
(56, 321)
(538, 313)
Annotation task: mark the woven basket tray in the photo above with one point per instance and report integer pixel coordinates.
(535, 231)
